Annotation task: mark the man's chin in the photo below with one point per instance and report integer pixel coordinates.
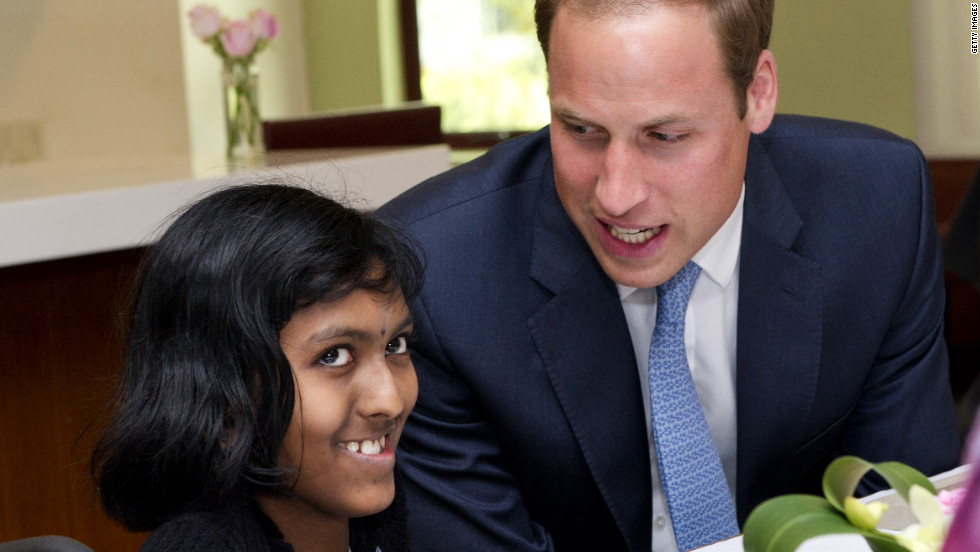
(633, 273)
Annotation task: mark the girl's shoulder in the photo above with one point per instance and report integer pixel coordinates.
(233, 528)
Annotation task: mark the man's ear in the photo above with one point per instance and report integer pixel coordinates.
(761, 95)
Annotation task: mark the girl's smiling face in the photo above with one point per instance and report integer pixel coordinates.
(355, 385)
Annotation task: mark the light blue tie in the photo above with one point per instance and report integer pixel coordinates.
(698, 498)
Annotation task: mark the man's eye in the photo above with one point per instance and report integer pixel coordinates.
(397, 346)
(582, 130)
(338, 356)
(668, 138)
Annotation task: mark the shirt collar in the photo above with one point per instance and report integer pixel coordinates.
(717, 259)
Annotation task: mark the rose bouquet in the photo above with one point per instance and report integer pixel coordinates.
(237, 43)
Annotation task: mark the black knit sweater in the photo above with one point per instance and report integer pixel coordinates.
(239, 526)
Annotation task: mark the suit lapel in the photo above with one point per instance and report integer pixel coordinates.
(779, 331)
(584, 344)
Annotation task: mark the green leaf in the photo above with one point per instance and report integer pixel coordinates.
(783, 523)
(901, 478)
(841, 478)
(843, 475)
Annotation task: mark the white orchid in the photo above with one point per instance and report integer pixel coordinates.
(934, 515)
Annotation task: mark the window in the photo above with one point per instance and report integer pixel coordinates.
(480, 61)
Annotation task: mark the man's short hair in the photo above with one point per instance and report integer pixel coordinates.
(742, 28)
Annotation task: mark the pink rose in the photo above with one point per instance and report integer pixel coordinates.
(264, 24)
(238, 39)
(205, 21)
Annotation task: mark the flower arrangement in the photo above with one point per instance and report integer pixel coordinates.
(781, 524)
(239, 40)
(237, 43)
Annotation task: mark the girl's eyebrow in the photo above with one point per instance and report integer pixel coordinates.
(352, 333)
(339, 332)
(405, 322)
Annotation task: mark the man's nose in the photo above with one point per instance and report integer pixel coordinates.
(620, 184)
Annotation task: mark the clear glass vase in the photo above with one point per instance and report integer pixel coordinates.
(245, 147)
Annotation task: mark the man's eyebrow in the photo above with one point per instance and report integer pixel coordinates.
(662, 120)
(567, 114)
(668, 119)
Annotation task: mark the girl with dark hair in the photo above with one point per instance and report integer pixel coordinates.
(266, 379)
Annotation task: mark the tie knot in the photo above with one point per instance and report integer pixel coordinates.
(677, 290)
(672, 295)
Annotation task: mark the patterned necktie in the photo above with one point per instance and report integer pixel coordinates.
(698, 498)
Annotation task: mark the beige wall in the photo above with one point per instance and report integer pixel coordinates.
(126, 78)
(92, 78)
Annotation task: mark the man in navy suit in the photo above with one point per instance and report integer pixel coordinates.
(814, 329)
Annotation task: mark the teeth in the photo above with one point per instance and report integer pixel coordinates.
(367, 446)
(633, 235)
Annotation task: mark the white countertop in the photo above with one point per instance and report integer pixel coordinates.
(51, 210)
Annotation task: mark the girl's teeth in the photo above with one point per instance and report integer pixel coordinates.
(367, 446)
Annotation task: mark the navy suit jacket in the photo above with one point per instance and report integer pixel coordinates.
(529, 431)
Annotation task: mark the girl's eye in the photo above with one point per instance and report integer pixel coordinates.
(397, 346)
(338, 356)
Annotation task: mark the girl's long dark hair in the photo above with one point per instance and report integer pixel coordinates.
(206, 394)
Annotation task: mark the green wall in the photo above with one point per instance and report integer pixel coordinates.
(846, 59)
(342, 53)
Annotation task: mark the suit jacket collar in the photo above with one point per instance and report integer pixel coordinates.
(779, 333)
(584, 344)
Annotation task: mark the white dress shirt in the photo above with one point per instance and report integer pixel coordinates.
(709, 339)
